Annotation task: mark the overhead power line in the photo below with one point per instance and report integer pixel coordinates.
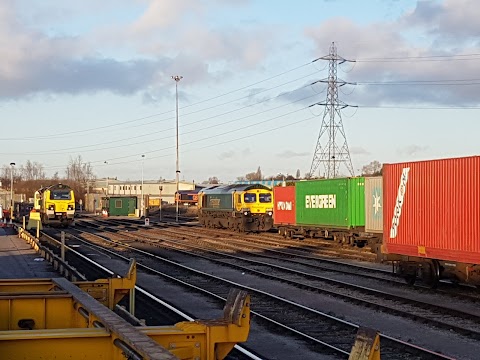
(456, 57)
(90, 148)
(50, 136)
(111, 161)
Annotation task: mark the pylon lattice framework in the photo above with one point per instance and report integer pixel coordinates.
(336, 151)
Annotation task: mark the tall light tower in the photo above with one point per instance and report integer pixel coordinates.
(106, 193)
(142, 210)
(12, 164)
(177, 78)
(335, 149)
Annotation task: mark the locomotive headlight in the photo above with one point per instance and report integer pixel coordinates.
(245, 213)
(270, 213)
(51, 207)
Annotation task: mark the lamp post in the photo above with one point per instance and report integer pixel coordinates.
(12, 164)
(177, 78)
(141, 202)
(160, 205)
(106, 163)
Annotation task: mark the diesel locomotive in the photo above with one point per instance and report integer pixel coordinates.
(56, 204)
(238, 207)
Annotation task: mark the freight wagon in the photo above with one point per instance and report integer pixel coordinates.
(328, 208)
(431, 227)
(238, 207)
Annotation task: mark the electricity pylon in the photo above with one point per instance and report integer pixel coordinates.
(335, 151)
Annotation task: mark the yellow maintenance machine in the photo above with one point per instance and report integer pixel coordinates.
(59, 319)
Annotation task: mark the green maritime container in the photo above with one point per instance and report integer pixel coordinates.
(334, 203)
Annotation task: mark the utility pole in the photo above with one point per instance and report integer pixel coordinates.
(335, 151)
(142, 206)
(177, 78)
(106, 192)
(12, 164)
(160, 204)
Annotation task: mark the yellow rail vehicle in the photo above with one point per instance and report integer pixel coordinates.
(237, 207)
(56, 204)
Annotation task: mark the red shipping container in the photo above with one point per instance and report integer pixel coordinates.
(284, 205)
(432, 209)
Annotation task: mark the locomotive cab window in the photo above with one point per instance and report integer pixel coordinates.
(250, 198)
(265, 198)
(118, 204)
(60, 195)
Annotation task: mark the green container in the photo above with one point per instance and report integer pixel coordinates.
(122, 206)
(334, 203)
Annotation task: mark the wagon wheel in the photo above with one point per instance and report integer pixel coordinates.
(349, 240)
(410, 279)
(337, 238)
(431, 276)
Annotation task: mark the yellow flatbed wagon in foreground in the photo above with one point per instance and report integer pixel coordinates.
(57, 319)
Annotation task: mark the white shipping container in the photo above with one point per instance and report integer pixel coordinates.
(374, 204)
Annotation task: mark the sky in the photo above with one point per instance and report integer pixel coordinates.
(94, 79)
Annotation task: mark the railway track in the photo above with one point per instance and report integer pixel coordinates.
(272, 240)
(427, 312)
(293, 316)
(150, 306)
(298, 253)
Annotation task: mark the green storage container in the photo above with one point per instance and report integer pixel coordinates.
(333, 203)
(122, 206)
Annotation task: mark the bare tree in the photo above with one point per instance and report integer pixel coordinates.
(254, 175)
(79, 176)
(213, 180)
(6, 175)
(32, 171)
(79, 171)
(297, 176)
(372, 169)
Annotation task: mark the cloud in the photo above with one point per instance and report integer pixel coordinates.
(136, 56)
(226, 155)
(453, 21)
(161, 14)
(412, 150)
(86, 75)
(292, 154)
(358, 150)
(375, 49)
